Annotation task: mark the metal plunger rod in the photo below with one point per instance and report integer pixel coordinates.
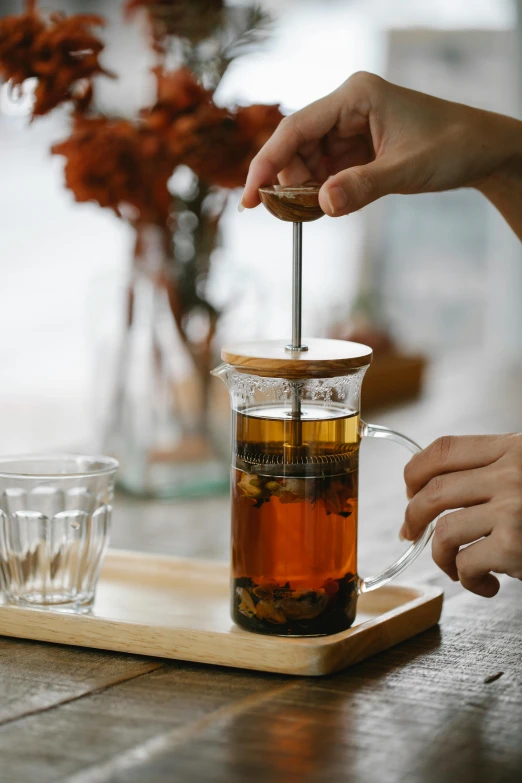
(296, 205)
(297, 286)
(297, 296)
(296, 411)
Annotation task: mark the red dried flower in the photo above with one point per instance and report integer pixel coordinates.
(177, 92)
(61, 53)
(217, 144)
(118, 163)
(257, 123)
(66, 52)
(209, 143)
(18, 36)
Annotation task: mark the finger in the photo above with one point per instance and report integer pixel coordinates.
(296, 173)
(457, 529)
(444, 493)
(292, 133)
(448, 454)
(311, 168)
(357, 156)
(320, 171)
(357, 150)
(314, 159)
(356, 187)
(474, 564)
(310, 148)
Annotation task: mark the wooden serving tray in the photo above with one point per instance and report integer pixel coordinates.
(176, 608)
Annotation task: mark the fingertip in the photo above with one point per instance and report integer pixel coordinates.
(491, 586)
(323, 202)
(333, 200)
(450, 571)
(261, 173)
(487, 587)
(249, 199)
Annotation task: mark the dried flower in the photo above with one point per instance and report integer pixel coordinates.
(217, 144)
(306, 606)
(250, 485)
(178, 92)
(267, 610)
(18, 35)
(338, 497)
(253, 126)
(207, 141)
(61, 53)
(246, 604)
(194, 20)
(118, 163)
(335, 492)
(257, 122)
(66, 53)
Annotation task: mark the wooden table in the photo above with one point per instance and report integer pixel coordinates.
(431, 709)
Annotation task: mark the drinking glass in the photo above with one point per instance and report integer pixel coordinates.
(55, 513)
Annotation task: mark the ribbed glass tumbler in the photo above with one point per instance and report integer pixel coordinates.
(55, 514)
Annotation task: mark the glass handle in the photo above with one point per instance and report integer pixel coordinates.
(400, 565)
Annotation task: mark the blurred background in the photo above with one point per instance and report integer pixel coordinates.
(436, 274)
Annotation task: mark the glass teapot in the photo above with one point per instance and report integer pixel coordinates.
(296, 432)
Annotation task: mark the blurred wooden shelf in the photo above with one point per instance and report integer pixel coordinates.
(393, 378)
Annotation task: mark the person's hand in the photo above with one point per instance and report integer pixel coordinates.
(481, 477)
(369, 138)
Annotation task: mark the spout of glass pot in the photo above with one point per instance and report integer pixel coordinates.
(221, 372)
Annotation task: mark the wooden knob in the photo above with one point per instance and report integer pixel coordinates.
(293, 204)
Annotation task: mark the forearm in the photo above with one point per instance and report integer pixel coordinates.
(503, 188)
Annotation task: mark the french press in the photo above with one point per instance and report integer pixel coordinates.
(296, 432)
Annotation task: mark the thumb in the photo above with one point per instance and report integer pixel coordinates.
(354, 188)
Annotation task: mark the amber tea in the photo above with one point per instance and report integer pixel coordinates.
(294, 519)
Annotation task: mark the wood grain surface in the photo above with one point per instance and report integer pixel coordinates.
(429, 710)
(323, 359)
(292, 204)
(419, 712)
(180, 608)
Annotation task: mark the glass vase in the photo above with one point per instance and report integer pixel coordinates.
(167, 423)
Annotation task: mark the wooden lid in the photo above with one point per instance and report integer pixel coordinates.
(323, 359)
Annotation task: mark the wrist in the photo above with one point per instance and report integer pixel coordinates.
(503, 142)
